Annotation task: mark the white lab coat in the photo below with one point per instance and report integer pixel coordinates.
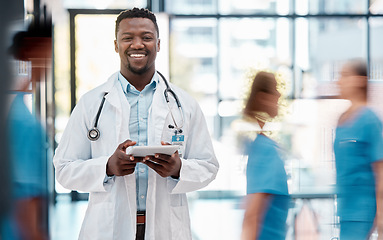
(80, 164)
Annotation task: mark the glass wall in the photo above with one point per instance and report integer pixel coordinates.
(193, 44)
(328, 42)
(210, 48)
(212, 54)
(331, 7)
(215, 45)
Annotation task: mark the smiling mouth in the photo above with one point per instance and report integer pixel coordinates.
(136, 55)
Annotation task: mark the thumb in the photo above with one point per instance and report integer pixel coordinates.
(165, 143)
(123, 146)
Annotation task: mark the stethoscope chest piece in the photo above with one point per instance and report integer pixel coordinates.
(93, 134)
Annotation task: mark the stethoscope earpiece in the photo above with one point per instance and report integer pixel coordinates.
(178, 130)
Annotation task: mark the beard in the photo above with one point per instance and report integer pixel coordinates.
(138, 71)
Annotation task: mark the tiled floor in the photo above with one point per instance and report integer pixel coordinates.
(212, 219)
(66, 218)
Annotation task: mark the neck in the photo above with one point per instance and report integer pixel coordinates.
(260, 117)
(356, 104)
(349, 113)
(261, 123)
(139, 81)
(358, 101)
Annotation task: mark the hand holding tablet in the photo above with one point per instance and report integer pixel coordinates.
(142, 151)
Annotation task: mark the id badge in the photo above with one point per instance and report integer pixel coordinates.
(178, 140)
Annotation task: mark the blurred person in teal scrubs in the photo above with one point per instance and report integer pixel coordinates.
(358, 149)
(27, 140)
(267, 200)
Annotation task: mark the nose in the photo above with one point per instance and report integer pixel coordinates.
(277, 94)
(137, 43)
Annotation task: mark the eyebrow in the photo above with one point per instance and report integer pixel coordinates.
(129, 33)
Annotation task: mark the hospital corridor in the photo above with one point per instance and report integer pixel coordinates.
(191, 119)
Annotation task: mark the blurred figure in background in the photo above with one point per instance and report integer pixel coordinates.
(26, 136)
(358, 149)
(267, 199)
(8, 13)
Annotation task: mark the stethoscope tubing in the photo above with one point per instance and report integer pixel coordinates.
(94, 133)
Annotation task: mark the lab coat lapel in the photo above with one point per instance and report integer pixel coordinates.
(121, 106)
(158, 114)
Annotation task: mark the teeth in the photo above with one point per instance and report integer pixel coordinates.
(137, 55)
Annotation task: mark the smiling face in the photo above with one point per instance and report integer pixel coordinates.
(137, 44)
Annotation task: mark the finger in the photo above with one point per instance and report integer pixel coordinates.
(158, 159)
(133, 159)
(127, 166)
(124, 171)
(163, 157)
(123, 146)
(122, 156)
(127, 171)
(165, 143)
(156, 167)
(128, 163)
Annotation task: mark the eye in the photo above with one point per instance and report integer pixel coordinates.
(147, 38)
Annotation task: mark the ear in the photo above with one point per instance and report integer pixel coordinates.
(362, 81)
(158, 45)
(262, 101)
(115, 46)
(255, 102)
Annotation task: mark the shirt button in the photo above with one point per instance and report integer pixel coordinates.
(142, 170)
(142, 196)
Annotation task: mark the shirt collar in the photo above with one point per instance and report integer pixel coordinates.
(128, 87)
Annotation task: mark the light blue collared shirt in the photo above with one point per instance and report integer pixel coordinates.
(140, 103)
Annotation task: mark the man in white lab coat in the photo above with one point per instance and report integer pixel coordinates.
(135, 197)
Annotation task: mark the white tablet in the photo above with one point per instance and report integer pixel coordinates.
(142, 151)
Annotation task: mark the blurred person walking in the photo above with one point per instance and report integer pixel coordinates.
(28, 218)
(358, 149)
(267, 199)
(8, 14)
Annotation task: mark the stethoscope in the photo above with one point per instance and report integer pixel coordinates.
(94, 133)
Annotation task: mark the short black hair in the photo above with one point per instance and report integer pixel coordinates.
(359, 66)
(36, 29)
(263, 82)
(136, 13)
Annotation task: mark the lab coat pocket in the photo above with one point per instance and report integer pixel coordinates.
(177, 200)
(167, 134)
(180, 226)
(98, 222)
